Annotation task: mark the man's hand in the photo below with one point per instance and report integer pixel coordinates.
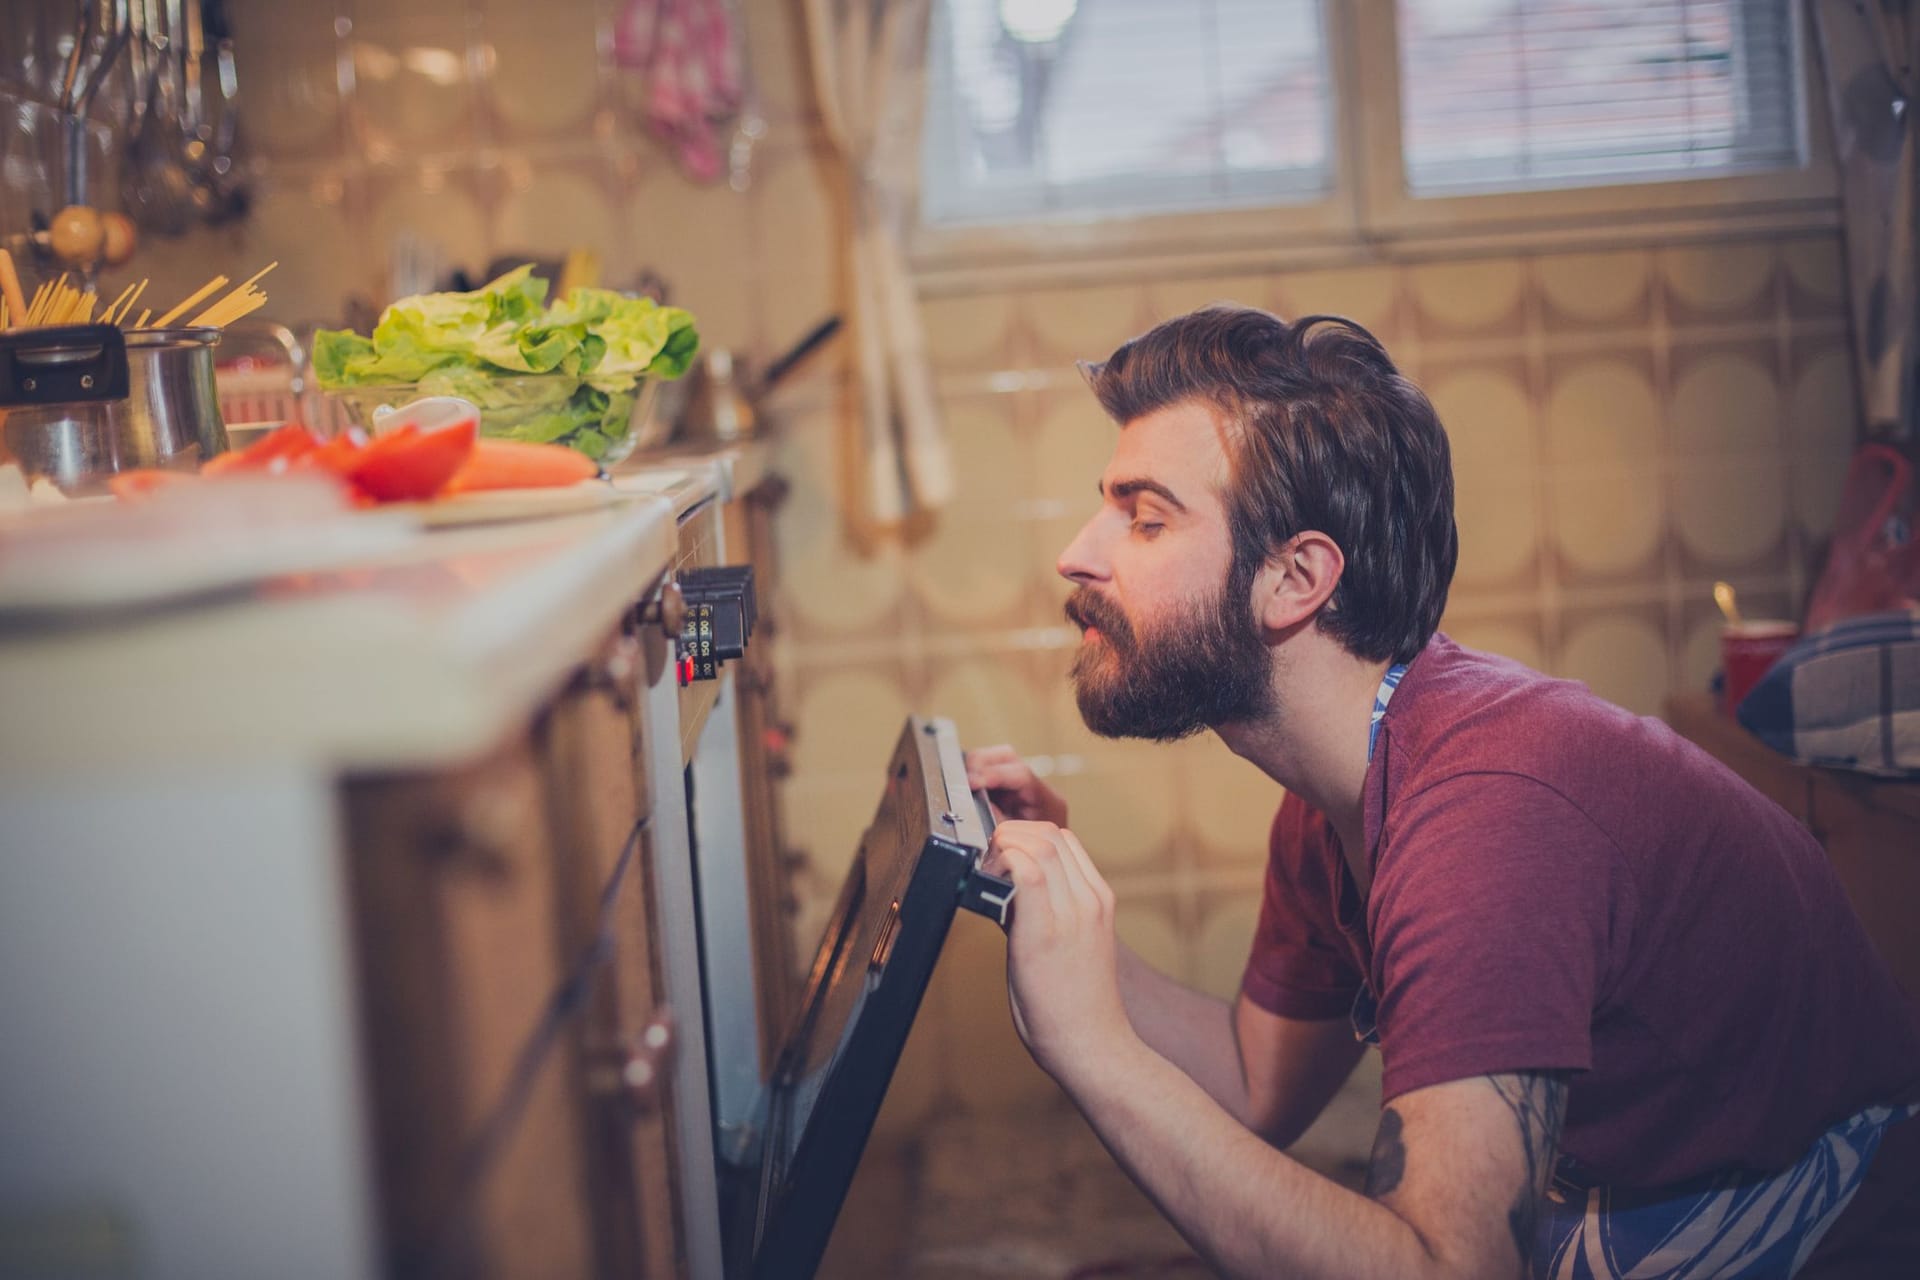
(1012, 788)
(1061, 951)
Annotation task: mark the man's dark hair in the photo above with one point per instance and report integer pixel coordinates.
(1324, 434)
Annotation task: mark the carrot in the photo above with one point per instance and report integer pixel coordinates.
(144, 482)
(513, 464)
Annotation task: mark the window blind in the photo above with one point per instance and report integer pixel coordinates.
(1042, 108)
(1531, 94)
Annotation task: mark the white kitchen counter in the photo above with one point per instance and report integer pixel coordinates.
(425, 656)
(173, 834)
(736, 468)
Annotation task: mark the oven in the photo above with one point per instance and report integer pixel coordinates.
(783, 1183)
(775, 1101)
(725, 938)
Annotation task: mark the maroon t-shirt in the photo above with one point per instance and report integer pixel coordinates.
(1559, 884)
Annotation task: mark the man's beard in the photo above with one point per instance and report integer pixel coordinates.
(1206, 668)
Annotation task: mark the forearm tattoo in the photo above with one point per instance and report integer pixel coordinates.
(1539, 1104)
(1389, 1160)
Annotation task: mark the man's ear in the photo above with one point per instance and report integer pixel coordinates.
(1297, 580)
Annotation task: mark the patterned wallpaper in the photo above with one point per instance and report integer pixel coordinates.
(1627, 426)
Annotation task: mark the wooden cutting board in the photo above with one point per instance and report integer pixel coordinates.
(497, 506)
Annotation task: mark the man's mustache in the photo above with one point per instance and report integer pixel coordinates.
(1087, 608)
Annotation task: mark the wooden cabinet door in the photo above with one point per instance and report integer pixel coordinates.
(468, 1067)
(597, 785)
(1871, 830)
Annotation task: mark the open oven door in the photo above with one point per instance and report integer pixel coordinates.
(917, 864)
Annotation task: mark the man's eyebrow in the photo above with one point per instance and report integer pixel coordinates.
(1127, 488)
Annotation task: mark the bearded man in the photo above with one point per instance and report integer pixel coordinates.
(1629, 1024)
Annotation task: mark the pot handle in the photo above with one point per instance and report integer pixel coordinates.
(63, 364)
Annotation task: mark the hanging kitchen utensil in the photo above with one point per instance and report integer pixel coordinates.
(228, 192)
(141, 66)
(74, 122)
(782, 365)
(159, 191)
(722, 398)
(83, 35)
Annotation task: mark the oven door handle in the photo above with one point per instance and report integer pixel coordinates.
(989, 895)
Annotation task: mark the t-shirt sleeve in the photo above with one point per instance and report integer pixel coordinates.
(1300, 966)
(1492, 920)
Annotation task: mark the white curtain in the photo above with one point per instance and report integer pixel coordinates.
(869, 68)
(1870, 47)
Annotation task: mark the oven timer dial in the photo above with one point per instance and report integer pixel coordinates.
(720, 615)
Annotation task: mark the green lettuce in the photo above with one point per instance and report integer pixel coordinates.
(566, 373)
(643, 339)
(335, 349)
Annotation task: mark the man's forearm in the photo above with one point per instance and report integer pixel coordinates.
(1249, 1209)
(1188, 1028)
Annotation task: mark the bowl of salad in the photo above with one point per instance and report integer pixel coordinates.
(579, 372)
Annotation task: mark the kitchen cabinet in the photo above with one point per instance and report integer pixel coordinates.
(1870, 827)
(516, 1029)
(387, 874)
(595, 751)
(454, 908)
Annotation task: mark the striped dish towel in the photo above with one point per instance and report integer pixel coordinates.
(1847, 697)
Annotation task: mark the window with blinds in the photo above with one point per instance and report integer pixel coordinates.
(1531, 94)
(1040, 108)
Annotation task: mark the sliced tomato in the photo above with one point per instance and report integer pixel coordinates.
(407, 464)
(336, 457)
(131, 486)
(283, 443)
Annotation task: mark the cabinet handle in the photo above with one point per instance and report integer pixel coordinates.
(615, 673)
(638, 1070)
(621, 663)
(482, 831)
(770, 493)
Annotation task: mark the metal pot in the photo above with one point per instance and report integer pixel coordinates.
(83, 402)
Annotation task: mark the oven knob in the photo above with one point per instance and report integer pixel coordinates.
(668, 610)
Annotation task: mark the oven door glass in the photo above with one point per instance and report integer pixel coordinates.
(917, 864)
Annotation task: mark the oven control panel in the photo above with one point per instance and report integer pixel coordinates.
(719, 622)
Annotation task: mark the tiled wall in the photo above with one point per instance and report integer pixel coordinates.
(1627, 425)
(500, 127)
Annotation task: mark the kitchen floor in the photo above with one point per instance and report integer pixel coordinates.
(1033, 1194)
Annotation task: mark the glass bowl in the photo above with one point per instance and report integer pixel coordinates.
(533, 406)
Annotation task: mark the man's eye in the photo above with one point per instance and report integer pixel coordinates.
(1148, 528)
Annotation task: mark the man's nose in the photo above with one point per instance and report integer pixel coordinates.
(1083, 561)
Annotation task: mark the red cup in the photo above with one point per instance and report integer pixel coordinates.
(1748, 651)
